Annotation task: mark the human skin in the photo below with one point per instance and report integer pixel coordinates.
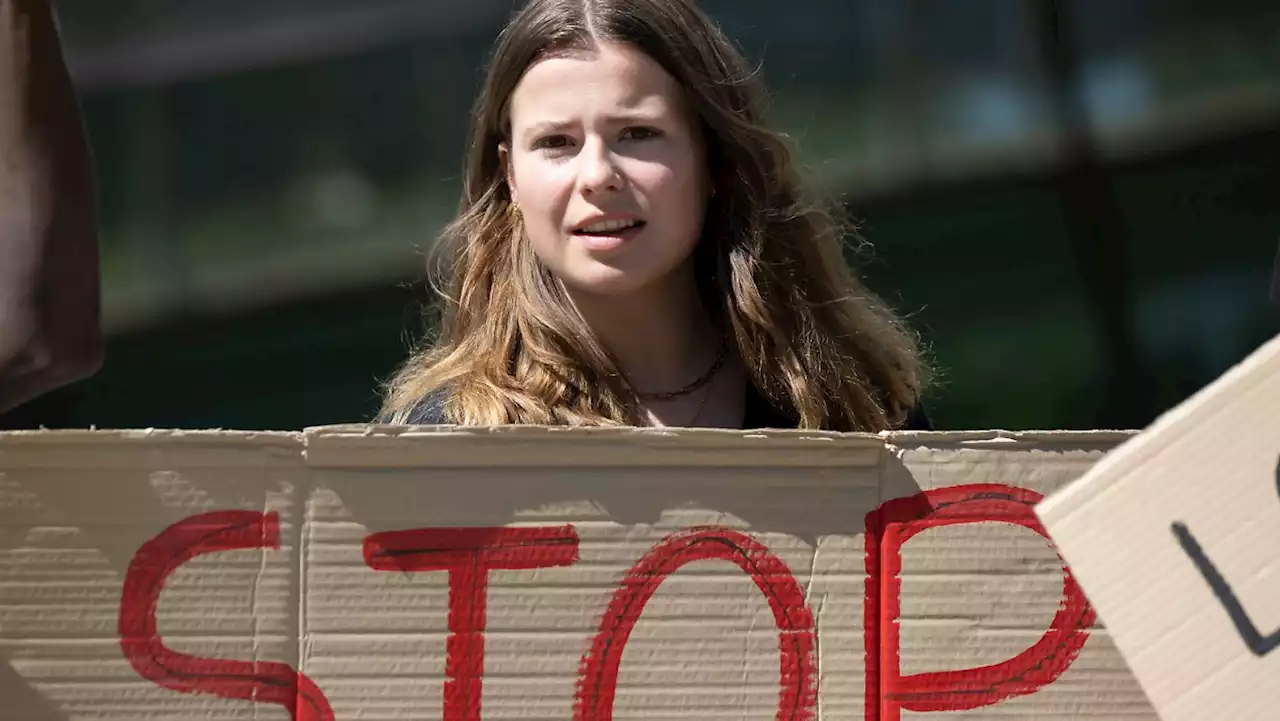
(50, 328)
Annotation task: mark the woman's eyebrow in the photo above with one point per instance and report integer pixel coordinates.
(547, 126)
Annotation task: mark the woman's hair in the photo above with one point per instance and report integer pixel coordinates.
(769, 266)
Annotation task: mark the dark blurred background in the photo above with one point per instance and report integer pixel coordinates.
(1078, 203)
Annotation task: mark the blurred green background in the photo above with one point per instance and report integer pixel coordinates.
(1077, 203)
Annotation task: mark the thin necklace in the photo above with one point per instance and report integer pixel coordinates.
(702, 404)
(706, 393)
(701, 380)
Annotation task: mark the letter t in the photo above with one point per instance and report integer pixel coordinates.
(469, 554)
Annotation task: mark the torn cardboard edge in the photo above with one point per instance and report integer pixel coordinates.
(528, 432)
(383, 446)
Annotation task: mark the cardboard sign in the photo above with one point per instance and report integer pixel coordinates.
(530, 573)
(1176, 538)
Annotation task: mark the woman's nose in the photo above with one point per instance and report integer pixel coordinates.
(598, 171)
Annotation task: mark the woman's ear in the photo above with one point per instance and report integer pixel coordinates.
(504, 159)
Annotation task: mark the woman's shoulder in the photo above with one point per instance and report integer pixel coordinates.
(918, 419)
(429, 410)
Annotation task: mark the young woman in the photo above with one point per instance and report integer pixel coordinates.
(634, 248)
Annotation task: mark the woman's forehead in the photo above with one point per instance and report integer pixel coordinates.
(608, 79)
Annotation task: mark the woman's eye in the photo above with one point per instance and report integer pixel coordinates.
(640, 133)
(552, 142)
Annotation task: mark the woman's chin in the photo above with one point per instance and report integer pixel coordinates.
(605, 280)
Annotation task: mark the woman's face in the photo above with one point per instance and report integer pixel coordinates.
(607, 169)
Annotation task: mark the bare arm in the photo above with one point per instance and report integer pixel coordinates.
(50, 330)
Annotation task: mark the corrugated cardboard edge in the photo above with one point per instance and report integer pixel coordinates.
(382, 446)
(1164, 431)
(997, 439)
(535, 431)
(373, 446)
(121, 448)
(347, 446)
(198, 435)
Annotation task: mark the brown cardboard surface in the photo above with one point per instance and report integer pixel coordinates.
(531, 573)
(75, 508)
(1174, 536)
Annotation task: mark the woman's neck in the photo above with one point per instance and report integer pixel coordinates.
(662, 338)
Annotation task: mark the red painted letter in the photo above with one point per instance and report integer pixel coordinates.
(468, 554)
(798, 694)
(249, 680)
(891, 526)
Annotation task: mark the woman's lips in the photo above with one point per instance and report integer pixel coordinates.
(609, 239)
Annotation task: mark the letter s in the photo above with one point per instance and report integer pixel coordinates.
(159, 557)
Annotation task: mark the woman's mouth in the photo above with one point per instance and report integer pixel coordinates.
(605, 227)
(609, 234)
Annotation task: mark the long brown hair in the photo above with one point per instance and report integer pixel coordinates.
(769, 266)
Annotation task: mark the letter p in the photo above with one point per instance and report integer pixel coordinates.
(888, 529)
